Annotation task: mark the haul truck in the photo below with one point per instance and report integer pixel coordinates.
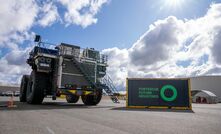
(66, 70)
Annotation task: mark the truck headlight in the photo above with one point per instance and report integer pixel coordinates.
(48, 60)
(41, 59)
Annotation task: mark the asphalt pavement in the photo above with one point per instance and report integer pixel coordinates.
(59, 117)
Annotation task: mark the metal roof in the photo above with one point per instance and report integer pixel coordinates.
(195, 92)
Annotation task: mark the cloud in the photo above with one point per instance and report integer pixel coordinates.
(17, 17)
(216, 48)
(157, 43)
(82, 12)
(49, 14)
(16, 57)
(117, 65)
(214, 71)
(172, 48)
(14, 66)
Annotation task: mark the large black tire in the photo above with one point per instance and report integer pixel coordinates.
(23, 88)
(92, 99)
(36, 86)
(72, 98)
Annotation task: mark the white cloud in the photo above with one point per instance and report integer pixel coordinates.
(216, 48)
(157, 43)
(82, 12)
(195, 42)
(117, 65)
(49, 14)
(13, 66)
(17, 17)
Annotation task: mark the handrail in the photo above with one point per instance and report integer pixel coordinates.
(101, 58)
(107, 80)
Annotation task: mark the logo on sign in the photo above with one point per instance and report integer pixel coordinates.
(168, 87)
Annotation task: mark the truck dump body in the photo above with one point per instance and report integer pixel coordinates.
(80, 67)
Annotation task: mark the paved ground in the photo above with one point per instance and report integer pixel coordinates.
(58, 117)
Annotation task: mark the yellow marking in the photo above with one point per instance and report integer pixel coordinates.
(190, 96)
(159, 107)
(62, 96)
(126, 92)
(87, 92)
(150, 107)
(157, 78)
(72, 91)
(181, 108)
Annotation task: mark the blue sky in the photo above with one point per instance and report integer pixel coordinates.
(143, 38)
(120, 22)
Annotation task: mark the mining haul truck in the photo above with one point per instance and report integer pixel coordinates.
(66, 70)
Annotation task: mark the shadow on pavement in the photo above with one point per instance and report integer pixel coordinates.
(47, 106)
(153, 110)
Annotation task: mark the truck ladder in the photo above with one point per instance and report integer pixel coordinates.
(84, 72)
(106, 83)
(109, 88)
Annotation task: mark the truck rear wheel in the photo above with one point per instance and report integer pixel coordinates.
(72, 98)
(36, 86)
(23, 88)
(92, 99)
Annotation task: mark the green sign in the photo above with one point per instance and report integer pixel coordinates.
(158, 93)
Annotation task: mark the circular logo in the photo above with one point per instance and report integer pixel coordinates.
(168, 87)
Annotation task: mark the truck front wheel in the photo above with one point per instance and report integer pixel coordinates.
(23, 88)
(36, 86)
(92, 99)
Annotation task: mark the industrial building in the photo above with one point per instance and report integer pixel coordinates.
(207, 83)
(5, 88)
